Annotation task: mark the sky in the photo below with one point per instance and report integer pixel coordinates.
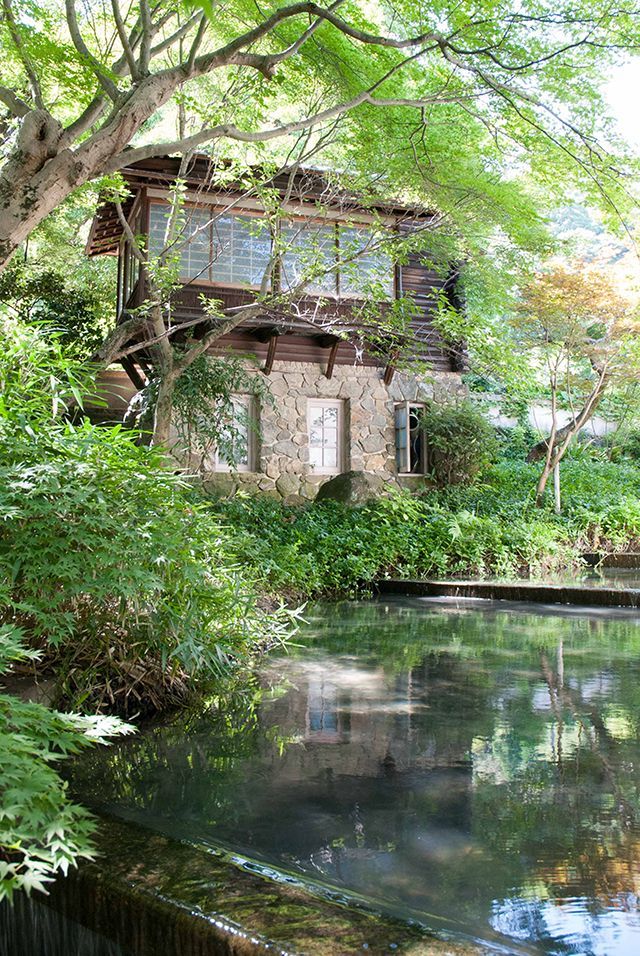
(623, 94)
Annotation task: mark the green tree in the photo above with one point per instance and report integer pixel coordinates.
(581, 338)
(442, 99)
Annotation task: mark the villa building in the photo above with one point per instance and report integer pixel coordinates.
(338, 405)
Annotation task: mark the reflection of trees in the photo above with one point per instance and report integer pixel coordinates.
(575, 808)
(449, 758)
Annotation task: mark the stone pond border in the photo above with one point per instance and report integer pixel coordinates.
(155, 896)
(513, 591)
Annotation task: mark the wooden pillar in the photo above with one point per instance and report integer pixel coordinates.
(332, 358)
(271, 354)
(390, 370)
(131, 370)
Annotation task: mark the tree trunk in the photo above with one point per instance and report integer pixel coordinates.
(540, 449)
(163, 411)
(542, 483)
(555, 447)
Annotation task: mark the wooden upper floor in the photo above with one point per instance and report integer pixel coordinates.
(226, 246)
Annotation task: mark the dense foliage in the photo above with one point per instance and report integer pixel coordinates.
(489, 528)
(106, 562)
(461, 442)
(41, 831)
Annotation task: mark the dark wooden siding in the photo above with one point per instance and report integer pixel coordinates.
(424, 285)
(298, 339)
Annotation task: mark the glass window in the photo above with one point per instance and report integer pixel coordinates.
(191, 243)
(364, 267)
(242, 250)
(310, 247)
(230, 249)
(235, 452)
(236, 250)
(410, 439)
(131, 273)
(325, 436)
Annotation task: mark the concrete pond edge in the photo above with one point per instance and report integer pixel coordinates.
(156, 896)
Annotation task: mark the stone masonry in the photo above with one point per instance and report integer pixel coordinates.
(282, 455)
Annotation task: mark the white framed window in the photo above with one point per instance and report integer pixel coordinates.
(238, 453)
(411, 451)
(325, 424)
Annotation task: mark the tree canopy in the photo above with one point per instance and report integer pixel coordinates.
(454, 105)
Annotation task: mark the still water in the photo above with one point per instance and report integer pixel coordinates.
(473, 768)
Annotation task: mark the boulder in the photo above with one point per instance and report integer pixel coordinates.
(287, 485)
(351, 488)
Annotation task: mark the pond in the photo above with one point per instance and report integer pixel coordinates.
(475, 769)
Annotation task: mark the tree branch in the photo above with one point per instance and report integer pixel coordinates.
(23, 55)
(16, 106)
(146, 38)
(127, 52)
(99, 71)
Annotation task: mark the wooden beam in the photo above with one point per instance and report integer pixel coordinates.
(390, 370)
(327, 341)
(264, 333)
(271, 354)
(332, 358)
(135, 377)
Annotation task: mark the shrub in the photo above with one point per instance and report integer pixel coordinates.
(514, 443)
(117, 574)
(328, 548)
(106, 561)
(461, 442)
(41, 831)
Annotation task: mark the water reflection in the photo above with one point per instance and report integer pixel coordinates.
(475, 769)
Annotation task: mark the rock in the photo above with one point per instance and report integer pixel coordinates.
(374, 443)
(219, 484)
(287, 485)
(308, 489)
(278, 388)
(351, 488)
(286, 448)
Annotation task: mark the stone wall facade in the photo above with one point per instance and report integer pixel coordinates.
(281, 456)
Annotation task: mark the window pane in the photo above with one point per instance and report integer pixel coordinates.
(416, 441)
(401, 438)
(190, 242)
(193, 244)
(365, 268)
(330, 457)
(158, 219)
(315, 455)
(316, 417)
(310, 248)
(331, 416)
(242, 249)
